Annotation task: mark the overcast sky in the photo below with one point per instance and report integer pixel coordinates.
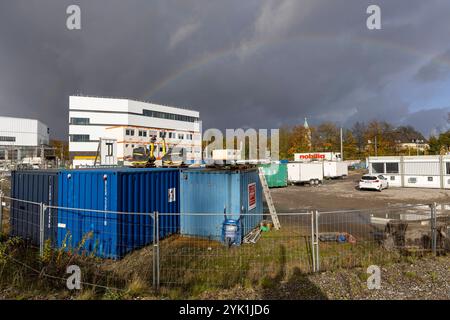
(252, 63)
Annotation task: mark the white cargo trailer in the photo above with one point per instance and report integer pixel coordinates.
(335, 169)
(413, 171)
(305, 172)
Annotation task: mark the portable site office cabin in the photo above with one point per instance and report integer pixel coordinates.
(413, 171)
(209, 196)
(111, 234)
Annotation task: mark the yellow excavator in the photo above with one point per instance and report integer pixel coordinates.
(145, 158)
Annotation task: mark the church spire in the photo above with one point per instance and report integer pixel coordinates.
(308, 135)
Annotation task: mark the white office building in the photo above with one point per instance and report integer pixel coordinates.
(21, 138)
(131, 123)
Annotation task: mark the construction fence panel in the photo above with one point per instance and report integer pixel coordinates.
(200, 255)
(119, 242)
(197, 251)
(443, 227)
(359, 238)
(22, 219)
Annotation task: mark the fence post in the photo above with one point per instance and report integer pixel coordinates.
(42, 208)
(433, 228)
(155, 250)
(1, 212)
(313, 253)
(317, 241)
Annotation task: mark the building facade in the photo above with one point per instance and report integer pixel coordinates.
(20, 138)
(132, 124)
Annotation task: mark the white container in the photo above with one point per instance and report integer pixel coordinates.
(301, 172)
(335, 169)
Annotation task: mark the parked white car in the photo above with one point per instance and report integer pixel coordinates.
(373, 182)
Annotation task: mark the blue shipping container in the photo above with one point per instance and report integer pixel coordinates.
(37, 187)
(112, 235)
(219, 194)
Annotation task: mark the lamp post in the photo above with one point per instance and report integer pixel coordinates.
(397, 146)
(375, 145)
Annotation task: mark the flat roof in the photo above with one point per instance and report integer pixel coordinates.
(134, 100)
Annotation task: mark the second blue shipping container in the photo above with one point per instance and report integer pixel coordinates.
(210, 196)
(128, 191)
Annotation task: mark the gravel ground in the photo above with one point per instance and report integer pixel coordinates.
(421, 279)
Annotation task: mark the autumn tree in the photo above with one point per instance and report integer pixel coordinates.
(298, 141)
(382, 138)
(326, 137)
(439, 144)
(359, 134)
(350, 146)
(284, 142)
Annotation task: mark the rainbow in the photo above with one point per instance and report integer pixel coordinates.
(254, 45)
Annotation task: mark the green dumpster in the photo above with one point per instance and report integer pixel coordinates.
(276, 174)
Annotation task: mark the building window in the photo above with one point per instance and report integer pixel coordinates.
(127, 145)
(171, 135)
(430, 179)
(189, 136)
(79, 138)
(392, 178)
(129, 132)
(180, 136)
(169, 116)
(447, 167)
(7, 139)
(142, 133)
(392, 167)
(378, 167)
(161, 134)
(80, 121)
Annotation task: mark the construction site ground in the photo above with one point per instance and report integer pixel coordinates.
(343, 194)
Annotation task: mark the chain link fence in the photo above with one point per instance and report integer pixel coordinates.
(169, 251)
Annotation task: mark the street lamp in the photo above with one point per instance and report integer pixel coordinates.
(375, 145)
(397, 146)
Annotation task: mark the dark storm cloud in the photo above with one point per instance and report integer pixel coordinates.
(248, 63)
(436, 69)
